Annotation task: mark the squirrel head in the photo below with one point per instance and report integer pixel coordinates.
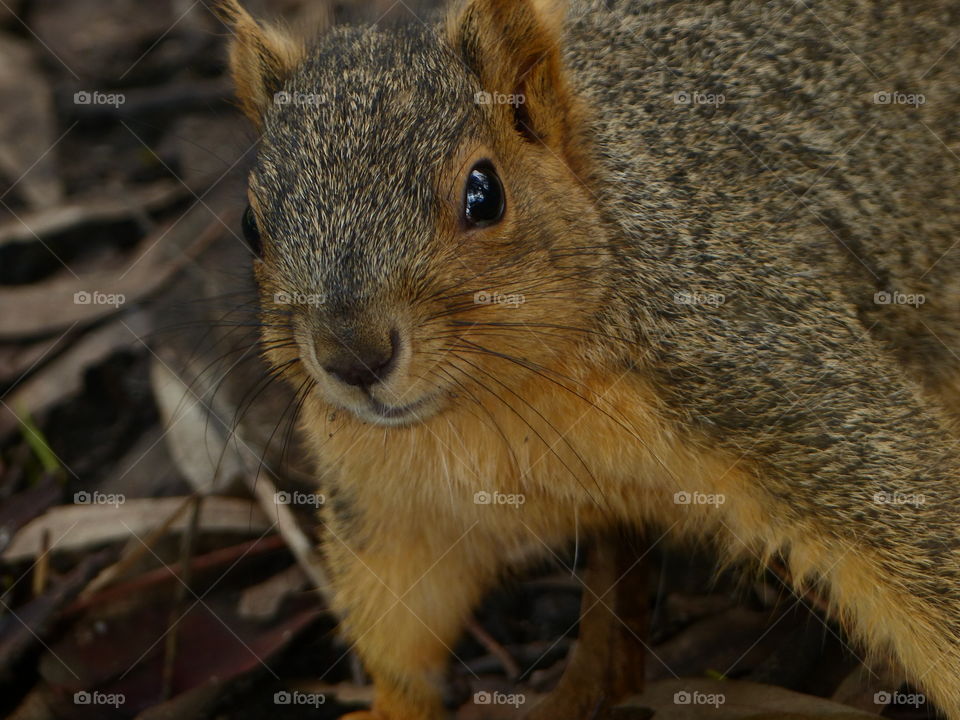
(420, 207)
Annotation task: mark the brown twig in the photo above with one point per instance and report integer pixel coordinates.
(135, 549)
(510, 666)
(163, 575)
(41, 570)
(187, 546)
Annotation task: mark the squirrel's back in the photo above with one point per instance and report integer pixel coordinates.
(785, 155)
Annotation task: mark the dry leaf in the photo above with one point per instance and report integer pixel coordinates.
(694, 699)
(28, 130)
(81, 526)
(63, 376)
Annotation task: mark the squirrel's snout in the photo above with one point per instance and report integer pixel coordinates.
(363, 364)
(365, 369)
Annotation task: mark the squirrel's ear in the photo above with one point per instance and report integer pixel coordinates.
(513, 46)
(261, 58)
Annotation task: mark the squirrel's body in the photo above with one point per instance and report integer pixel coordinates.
(699, 314)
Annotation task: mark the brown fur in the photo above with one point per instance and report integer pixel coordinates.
(601, 397)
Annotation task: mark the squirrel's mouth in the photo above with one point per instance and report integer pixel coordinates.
(376, 412)
(395, 412)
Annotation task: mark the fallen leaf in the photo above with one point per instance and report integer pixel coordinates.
(694, 699)
(123, 654)
(18, 359)
(25, 627)
(116, 33)
(63, 376)
(240, 453)
(24, 506)
(262, 601)
(96, 208)
(197, 441)
(66, 299)
(28, 130)
(81, 526)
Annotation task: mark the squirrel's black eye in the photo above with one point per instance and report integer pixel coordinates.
(251, 233)
(483, 198)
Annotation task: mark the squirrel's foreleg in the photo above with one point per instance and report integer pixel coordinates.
(405, 597)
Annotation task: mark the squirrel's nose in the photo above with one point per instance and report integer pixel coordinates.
(363, 366)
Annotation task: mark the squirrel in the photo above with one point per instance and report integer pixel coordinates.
(551, 267)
